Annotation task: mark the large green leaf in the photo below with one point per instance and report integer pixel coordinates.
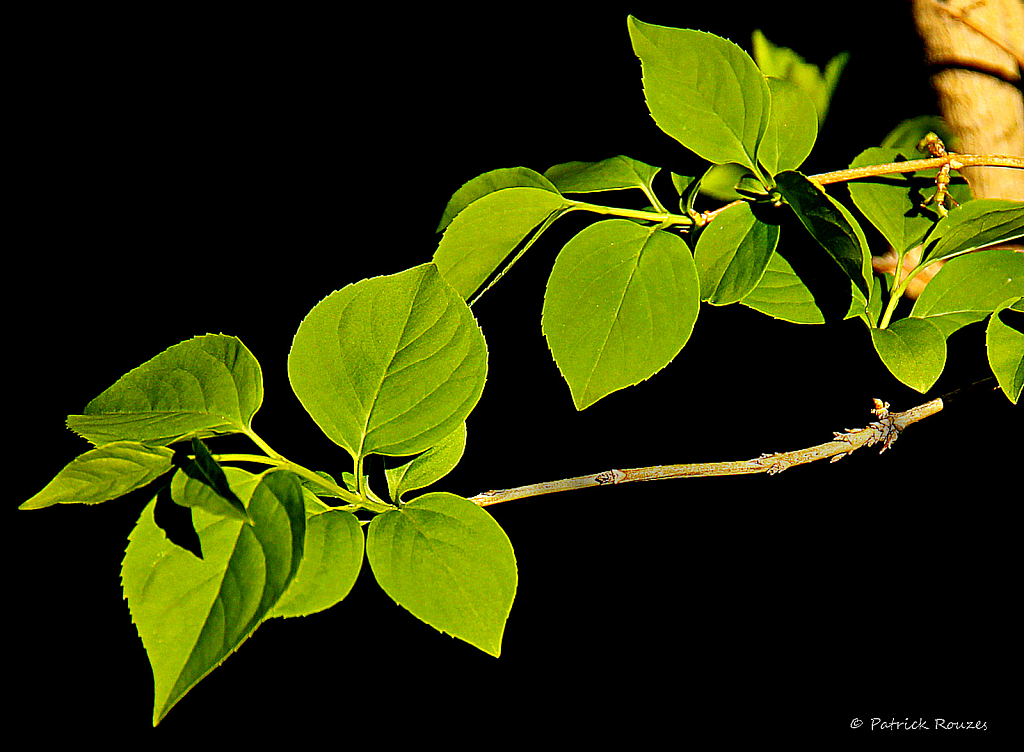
(331, 560)
(104, 473)
(612, 174)
(913, 350)
(1005, 344)
(192, 613)
(620, 304)
(792, 128)
(485, 232)
(389, 365)
(968, 288)
(703, 91)
(449, 563)
(405, 475)
(976, 224)
(491, 182)
(732, 254)
(205, 386)
(831, 225)
(782, 295)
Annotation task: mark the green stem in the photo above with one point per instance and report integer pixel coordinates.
(658, 217)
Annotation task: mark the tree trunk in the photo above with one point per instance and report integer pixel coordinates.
(975, 48)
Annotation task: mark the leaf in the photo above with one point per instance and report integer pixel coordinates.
(732, 254)
(781, 294)
(389, 365)
(483, 234)
(831, 225)
(976, 224)
(1005, 345)
(446, 561)
(428, 467)
(332, 558)
(202, 483)
(192, 613)
(620, 304)
(893, 203)
(970, 287)
(491, 182)
(913, 350)
(613, 174)
(784, 63)
(703, 91)
(104, 473)
(205, 386)
(792, 128)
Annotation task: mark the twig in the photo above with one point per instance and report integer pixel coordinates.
(883, 431)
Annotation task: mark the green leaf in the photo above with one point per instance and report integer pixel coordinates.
(491, 182)
(426, 468)
(970, 287)
(976, 224)
(703, 91)
(783, 62)
(893, 203)
(192, 613)
(620, 304)
(1005, 345)
(205, 386)
(613, 174)
(389, 365)
(331, 560)
(913, 350)
(831, 225)
(449, 563)
(782, 295)
(792, 128)
(732, 254)
(104, 473)
(484, 233)
(202, 483)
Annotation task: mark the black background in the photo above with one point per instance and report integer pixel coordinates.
(198, 173)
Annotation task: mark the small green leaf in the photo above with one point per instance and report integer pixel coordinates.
(491, 182)
(389, 365)
(202, 483)
(732, 254)
(331, 560)
(913, 350)
(485, 232)
(205, 386)
(976, 224)
(784, 63)
(1004, 338)
(446, 561)
(703, 91)
(792, 128)
(192, 613)
(831, 225)
(613, 174)
(419, 472)
(620, 304)
(104, 473)
(968, 288)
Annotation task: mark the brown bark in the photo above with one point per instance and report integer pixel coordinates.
(974, 47)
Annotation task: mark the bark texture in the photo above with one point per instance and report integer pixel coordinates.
(975, 48)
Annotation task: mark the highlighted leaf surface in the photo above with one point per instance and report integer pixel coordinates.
(192, 613)
(1005, 343)
(389, 365)
(203, 387)
(449, 563)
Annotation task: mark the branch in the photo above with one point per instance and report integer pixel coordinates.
(883, 431)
